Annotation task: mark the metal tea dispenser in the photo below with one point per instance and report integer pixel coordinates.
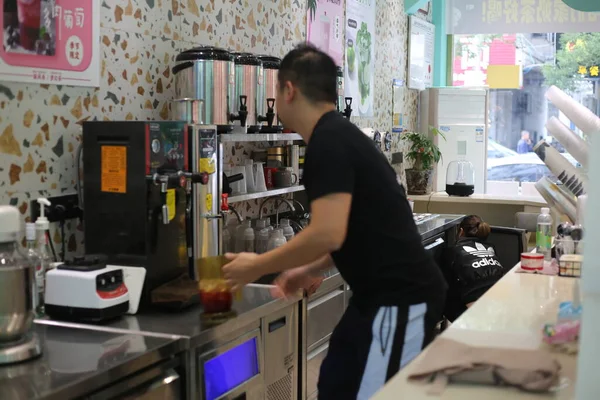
(205, 210)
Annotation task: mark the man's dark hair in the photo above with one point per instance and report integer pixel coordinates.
(313, 71)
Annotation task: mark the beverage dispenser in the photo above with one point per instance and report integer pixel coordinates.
(137, 184)
(271, 124)
(343, 104)
(249, 92)
(207, 74)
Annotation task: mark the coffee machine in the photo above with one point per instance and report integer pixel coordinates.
(137, 190)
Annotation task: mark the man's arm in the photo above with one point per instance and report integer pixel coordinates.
(325, 234)
(322, 264)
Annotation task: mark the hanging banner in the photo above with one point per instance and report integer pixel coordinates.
(50, 41)
(324, 24)
(517, 16)
(360, 55)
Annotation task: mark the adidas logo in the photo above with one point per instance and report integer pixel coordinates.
(480, 250)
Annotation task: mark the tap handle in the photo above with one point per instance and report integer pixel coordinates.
(270, 104)
(243, 101)
(224, 202)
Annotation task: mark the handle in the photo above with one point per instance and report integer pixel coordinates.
(294, 179)
(270, 103)
(277, 324)
(436, 243)
(182, 66)
(324, 299)
(243, 100)
(348, 101)
(234, 178)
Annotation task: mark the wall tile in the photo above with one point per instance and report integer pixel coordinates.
(148, 17)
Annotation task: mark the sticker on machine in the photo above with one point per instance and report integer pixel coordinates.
(479, 135)
(113, 166)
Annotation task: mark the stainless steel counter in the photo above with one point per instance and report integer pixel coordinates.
(437, 224)
(256, 302)
(76, 362)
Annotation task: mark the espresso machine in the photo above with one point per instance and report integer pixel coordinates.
(138, 187)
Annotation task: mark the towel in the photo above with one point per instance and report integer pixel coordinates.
(450, 361)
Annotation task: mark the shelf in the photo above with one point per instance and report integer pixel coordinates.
(259, 137)
(268, 193)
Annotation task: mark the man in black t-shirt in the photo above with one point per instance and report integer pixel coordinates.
(362, 223)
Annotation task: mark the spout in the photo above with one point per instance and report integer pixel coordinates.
(236, 213)
(242, 114)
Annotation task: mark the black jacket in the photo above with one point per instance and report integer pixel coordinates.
(471, 268)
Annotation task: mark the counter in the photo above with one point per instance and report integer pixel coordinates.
(509, 315)
(495, 209)
(76, 362)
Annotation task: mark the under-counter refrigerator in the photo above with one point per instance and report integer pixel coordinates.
(461, 115)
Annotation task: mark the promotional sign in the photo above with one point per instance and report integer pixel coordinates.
(360, 55)
(325, 21)
(517, 16)
(50, 41)
(421, 42)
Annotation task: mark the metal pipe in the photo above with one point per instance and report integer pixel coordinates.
(290, 205)
(277, 205)
(236, 213)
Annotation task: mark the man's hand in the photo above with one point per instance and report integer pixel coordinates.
(288, 283)
(242, 269)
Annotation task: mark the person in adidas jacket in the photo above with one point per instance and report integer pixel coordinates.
(471, 266)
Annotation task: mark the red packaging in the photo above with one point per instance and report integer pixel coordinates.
(269, 174)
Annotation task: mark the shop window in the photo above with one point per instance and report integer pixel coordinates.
(517, 117)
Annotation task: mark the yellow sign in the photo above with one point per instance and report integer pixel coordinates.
(207, 165)
(504, 77)
(113, 166)
(171, 203)
(209, 201)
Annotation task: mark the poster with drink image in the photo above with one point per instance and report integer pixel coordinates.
(360, 55)
(50, 41)
(324, 24)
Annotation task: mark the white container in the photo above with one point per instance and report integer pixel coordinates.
(262, 241)
(240, 235)
(532, 262)
(276, 240)
(288, 231)
(249, 240)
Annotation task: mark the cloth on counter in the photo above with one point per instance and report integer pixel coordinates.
(451, 361)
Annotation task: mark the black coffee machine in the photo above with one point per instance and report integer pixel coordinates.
(137, 187)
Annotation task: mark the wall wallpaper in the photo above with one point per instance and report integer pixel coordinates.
(40, 125)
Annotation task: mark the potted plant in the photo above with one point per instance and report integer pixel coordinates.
(425, 155)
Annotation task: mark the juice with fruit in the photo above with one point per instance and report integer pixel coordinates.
(215, 295)
(29, 22)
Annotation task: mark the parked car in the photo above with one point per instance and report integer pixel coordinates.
(521, 168)
(496, 150)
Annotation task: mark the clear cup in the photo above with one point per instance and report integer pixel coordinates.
(239, 187)
(249, 176)
(259, 177)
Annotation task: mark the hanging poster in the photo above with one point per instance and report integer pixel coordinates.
(50, 41)
(421, 41)
(325, 21)
(360, 55)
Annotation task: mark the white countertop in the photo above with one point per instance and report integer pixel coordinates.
(510, 315)
(442, 197)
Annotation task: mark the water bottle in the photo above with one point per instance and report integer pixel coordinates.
(544, 233)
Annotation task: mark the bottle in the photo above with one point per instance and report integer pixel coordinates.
(231, 227)
(15, 267)
(32, 255)
(276, 240)
(226, 242)
(42, 225)
(288, 231)
(249, 240)
(240, 234)
(544, 233)
(262, 241)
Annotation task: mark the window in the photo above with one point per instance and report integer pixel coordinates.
(517, 117)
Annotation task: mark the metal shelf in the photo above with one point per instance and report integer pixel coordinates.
(259, 137)
(268, 193)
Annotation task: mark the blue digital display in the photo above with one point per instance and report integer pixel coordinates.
(230, 369)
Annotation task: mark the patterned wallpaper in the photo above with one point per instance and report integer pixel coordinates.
(40, 125)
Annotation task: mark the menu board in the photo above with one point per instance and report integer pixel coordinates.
(324, 24)
(50, 41)
(421, 42)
